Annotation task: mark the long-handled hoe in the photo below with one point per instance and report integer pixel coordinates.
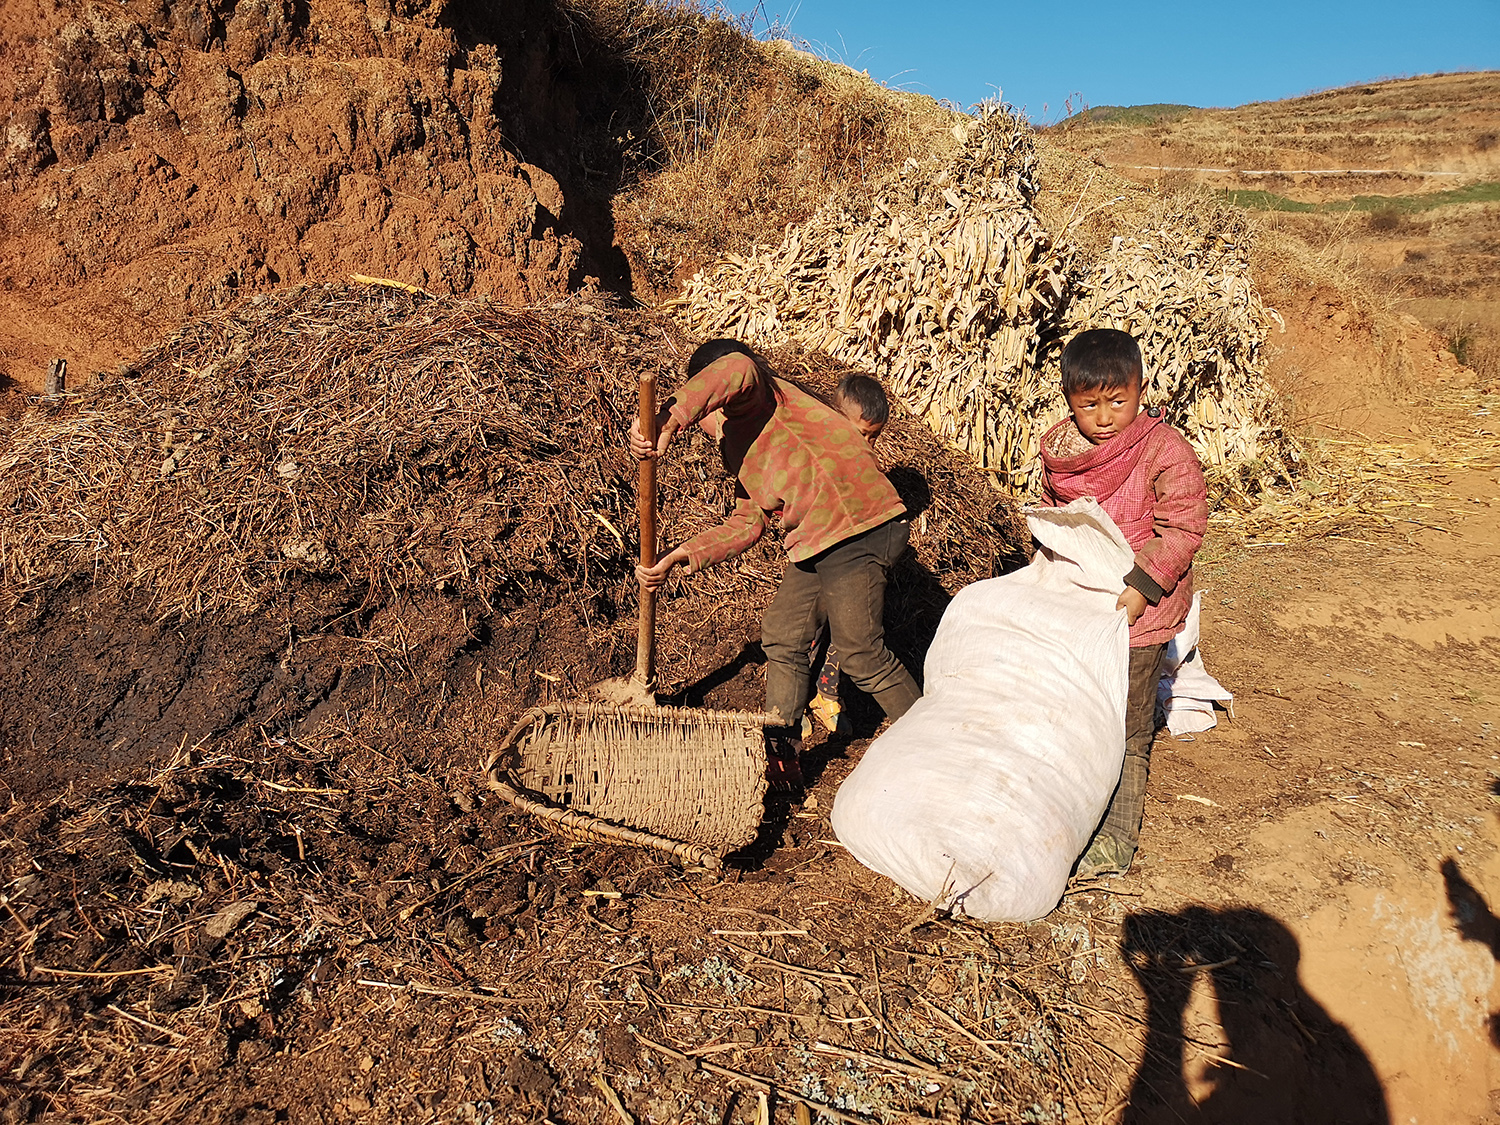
(620, 768)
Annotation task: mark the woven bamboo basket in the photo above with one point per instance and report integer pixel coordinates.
(687, 782)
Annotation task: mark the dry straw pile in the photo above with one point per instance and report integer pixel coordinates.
(400, 443)
(390, 441)
(953, 289)
(1183, 289)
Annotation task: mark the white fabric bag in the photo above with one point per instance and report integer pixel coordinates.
(1186, 692)
(981, 796)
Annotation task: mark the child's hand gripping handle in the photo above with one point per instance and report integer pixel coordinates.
(645, 646)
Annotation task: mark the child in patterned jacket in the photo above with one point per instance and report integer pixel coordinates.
(1147, 477)
(842, 522)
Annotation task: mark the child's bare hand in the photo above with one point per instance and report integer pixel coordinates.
(1133, 602)
(638, 443)
(653, 577)
(667, 428)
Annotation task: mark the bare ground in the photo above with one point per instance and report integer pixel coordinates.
(333, 923)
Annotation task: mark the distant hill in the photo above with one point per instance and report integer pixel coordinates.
(1394, 137)
(1399, 181)
(1152, 114)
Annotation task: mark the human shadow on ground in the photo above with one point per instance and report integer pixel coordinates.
(1471, 913)
(1472, 916)
(1280, 1056)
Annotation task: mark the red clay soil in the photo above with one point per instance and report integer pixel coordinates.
(163, 158)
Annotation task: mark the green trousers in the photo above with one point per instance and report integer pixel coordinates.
(846, 584)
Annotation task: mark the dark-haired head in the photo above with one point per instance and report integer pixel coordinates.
(862, 400)
(715, 350)
(867, 395)
(1101, 358)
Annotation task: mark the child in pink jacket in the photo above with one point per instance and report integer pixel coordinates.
(1147, 477)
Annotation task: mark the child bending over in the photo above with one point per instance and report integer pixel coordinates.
(1147, 477)
(842, 523)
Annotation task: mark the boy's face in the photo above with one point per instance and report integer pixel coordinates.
(1103, 413)
(869, 430)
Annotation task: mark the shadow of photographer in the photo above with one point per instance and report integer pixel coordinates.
(1279, 1058)
(1472, 916)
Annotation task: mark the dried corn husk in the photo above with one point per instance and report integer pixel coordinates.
(954, 291)
(1186, 294)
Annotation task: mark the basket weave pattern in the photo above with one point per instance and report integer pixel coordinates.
(686, 775)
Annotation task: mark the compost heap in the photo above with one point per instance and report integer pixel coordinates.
(270, 597)
(374, 444)
(954, 291)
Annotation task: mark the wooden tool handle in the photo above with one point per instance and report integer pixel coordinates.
(645, 645)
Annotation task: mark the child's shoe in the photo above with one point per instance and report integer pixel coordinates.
(783, 770)
(830, 713)
(1106, 856)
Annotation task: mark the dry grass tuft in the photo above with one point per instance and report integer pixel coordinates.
(1475, 344)
(1369, 491)
(398, 443)
(750, 136)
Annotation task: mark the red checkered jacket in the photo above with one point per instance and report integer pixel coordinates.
(792, 455)
(1149, 481)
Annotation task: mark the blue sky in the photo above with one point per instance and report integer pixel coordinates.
(1202, 53)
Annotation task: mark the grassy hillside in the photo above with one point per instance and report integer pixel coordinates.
(1153, 114)
(1374, 211)
(755, 136)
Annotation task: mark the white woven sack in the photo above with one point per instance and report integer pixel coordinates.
(981, 796)
(1186, 693)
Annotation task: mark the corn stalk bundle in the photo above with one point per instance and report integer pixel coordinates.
(952, 289)
(947, 288)
(1186, 294)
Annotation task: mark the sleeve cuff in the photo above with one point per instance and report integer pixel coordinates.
(1149, 588)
